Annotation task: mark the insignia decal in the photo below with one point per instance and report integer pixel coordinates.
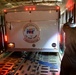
(31, 33)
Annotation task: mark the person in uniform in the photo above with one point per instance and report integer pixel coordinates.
(68, 63)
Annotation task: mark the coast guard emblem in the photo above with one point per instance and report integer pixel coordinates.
(31, 33)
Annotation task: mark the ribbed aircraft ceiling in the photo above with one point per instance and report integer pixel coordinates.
(13, 3)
